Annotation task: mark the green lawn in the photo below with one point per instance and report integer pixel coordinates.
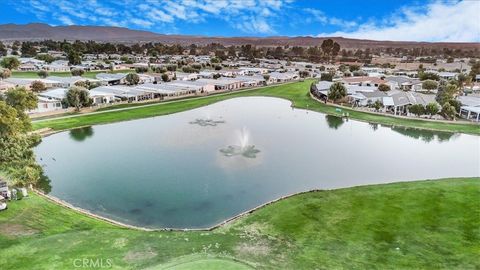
(415, 225)
(88, 74)
(295, 92)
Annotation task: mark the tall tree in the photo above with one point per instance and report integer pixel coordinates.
(77, 72)
(10, 62)
(429, 85)
(417, 109)
(3, 49)
(28, 50)
(446, 93)
(21, 99)
(330, 48)
(74, 57)
(132, 79)
(384, 87)
(37, 86)
(337, 91)
(432, 108)
(16, 155)
(42, 73)
(78, 97)
(448, 111)
(5, 73)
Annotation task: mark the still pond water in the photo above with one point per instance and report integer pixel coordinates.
(178, 171)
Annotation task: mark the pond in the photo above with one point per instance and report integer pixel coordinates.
(197, 168)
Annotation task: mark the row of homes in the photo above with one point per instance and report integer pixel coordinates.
(112, 87)
(395, 101)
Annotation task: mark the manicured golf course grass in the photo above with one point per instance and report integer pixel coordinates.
(297, 92)
(409, 225)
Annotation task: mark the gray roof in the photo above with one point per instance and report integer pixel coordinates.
(221, 82)
(323, 85)
(402, 79)
(470, 100)
(250, 78)
(18, 81)
(166, 88)
(411, 98)
(56, 93)
(373, 94)
(69, 80)
(121, 91)
(111, 76)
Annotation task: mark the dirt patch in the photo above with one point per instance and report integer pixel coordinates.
(133, 256)
(253, 249)
(16, 230)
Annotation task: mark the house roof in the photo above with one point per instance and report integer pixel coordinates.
(250, 78)
(363, 79)
(221, 81)
(388, 101)
(47, 100)
(284, 75)
(374, 94)
(161, 88)
(323, 85)
(411, 98)
(18, 81)
(111, 76)
(66, 80)
(470, 100)
(56, 93)
(402, 79)
(121, 91)
(471, 109)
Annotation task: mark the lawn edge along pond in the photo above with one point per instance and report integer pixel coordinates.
(407, 225)
(296, 92)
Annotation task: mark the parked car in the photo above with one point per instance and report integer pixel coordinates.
(3, 204)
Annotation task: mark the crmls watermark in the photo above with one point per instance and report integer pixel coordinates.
(93, 263)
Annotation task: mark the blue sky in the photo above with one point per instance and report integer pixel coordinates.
(415, 20)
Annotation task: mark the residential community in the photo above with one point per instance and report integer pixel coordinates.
(371, 84)
(239, 134)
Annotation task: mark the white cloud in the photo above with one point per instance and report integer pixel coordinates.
(65, 20)
(248, 16)
(159, 15)
(142, 23)
(438, 21)
(449, 20)
(316, 15)
(254, 25)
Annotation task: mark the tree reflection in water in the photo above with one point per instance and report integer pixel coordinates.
(334, 121)
(424, 135)
(81, 134)
(44, 184)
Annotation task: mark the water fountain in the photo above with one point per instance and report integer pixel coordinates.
(206, 122)
(243, 149)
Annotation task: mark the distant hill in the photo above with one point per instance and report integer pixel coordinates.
(39, 31)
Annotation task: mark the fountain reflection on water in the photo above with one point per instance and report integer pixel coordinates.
(243, 149)
(203, 122)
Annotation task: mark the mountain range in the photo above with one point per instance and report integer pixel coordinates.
(40, 31)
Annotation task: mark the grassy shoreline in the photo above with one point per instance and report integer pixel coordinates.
(297, 93)
(408, 225)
